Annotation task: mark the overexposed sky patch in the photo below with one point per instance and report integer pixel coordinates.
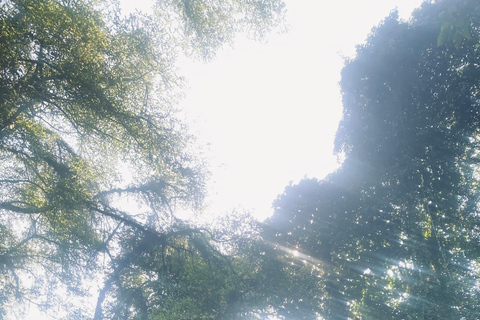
(270, 110)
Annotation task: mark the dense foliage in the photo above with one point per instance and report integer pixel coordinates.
(394, 233)
(94, 167)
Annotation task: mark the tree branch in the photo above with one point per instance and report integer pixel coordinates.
(10, 205)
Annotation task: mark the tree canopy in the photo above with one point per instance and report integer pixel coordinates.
(394, 233)
(94, 166)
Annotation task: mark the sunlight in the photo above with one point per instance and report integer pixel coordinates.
(299, 258)
(251, 167)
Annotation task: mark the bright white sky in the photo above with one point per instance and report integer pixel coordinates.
(270, 111)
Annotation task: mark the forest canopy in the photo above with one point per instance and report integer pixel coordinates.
(95, 166)
(394, 233)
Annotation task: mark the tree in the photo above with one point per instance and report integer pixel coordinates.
(84, 93)
(395, 230)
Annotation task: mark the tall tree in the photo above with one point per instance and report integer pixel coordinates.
(395, 230)
(94, 165)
